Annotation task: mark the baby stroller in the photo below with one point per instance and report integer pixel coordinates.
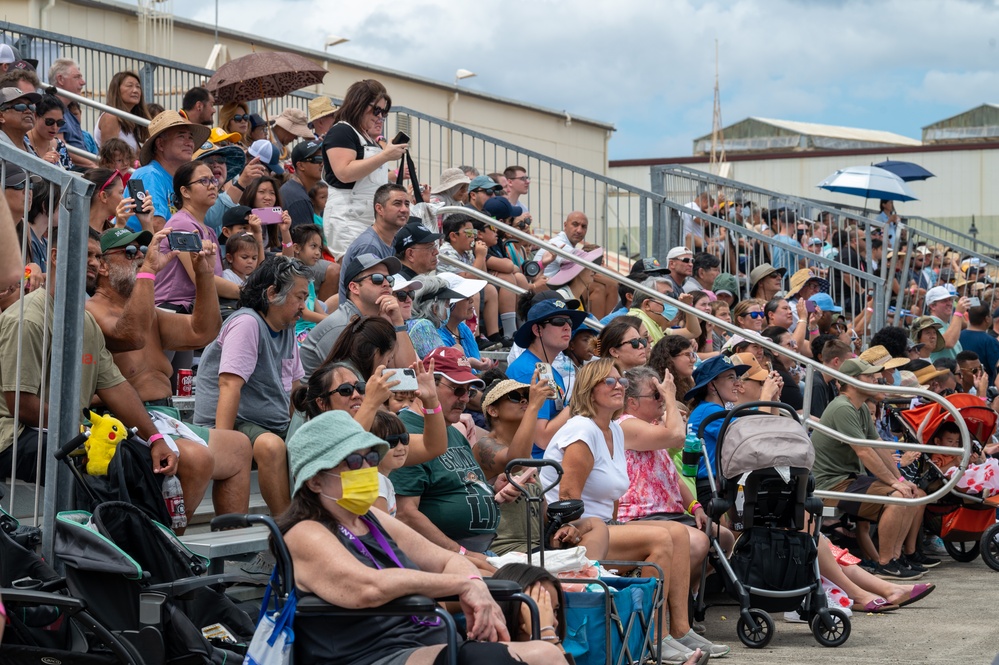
(45, 624)
(964, 520)
(765, 463)
(141, 581)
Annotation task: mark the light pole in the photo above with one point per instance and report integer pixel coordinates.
(333, 40)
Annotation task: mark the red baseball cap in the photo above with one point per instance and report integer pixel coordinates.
(452, 363)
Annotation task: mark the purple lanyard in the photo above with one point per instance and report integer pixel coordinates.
(382, 543)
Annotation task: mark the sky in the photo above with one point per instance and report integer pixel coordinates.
(648, 67)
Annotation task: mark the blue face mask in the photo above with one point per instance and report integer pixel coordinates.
(896, 377)
(669, 312)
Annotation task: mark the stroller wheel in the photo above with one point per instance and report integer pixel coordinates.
(990, 547)
(962, 551)
(831, 636)
(757, 632)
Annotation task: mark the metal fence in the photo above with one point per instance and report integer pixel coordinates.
(60, 369)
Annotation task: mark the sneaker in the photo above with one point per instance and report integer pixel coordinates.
(498, 338)
(488, 345)
(694, 641)
(934, 546)
(698, 627)
(868, 565)
(794, 617)
(923, 560)
(262, 564)
(905, 561)
(892, 571)
(672, 651)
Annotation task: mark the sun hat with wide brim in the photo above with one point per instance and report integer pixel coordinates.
(803, 277)
(501, 388)
(450, 178)
(921, 324)
(761, 271)
(709, 370)
(878, 355)
(570, 269)
(543, 311)
(168, 120)
(235, 158)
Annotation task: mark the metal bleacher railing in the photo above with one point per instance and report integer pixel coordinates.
(61, 367)
(621, 215)
(811, 366)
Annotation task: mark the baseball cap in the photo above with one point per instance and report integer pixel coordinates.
(235, 216)
(483, 182)
(413, 234)
(648, 266)
(465, 288)
(8, 95)
(115, 238)
(938, 293)
(857, 366)
(549, 294)
(304, 150)
(825, 303)
(267, 153)
(6, 54)
(677, 252)
(452, 364)
(499, 208)
(364, 261)
(399, 283)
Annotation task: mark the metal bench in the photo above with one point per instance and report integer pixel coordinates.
(217, 545)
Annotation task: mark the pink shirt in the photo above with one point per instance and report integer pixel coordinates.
(655, 487)
(172, 283)
(239, 339)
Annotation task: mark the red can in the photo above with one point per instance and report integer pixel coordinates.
(185, 383)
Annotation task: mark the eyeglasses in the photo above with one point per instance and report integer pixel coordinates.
(131, 252)
(404, 295)
(241, 117)
(525, 178)
(395, 439)
(377, 279)
(658, 396)
(755, 315)
(380, 111)
(558, 321)
(347, 389)
(460, 391)
(205, 182)
(52, 121)
(635, 343)
(21, 107)
(116, 174)
(516, 397)
(611, 381)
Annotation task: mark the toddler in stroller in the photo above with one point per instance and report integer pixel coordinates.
(765, 463)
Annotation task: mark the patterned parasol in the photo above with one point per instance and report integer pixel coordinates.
(263, 75)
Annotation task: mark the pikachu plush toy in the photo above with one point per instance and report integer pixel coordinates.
(106, 432)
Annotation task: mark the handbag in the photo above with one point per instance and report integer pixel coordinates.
(273, 638)
(407, 161)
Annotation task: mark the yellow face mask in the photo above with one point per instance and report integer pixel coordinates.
(360, 489)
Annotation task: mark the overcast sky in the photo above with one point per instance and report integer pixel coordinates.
(648, 66)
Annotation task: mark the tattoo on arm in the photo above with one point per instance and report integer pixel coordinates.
(487, 448)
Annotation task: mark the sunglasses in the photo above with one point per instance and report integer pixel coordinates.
(241, 117)
(60, 123)
(487, 192)
(356, 460)
(516, 397)
(635, 343)
(685, 260)
(131, 252)
(460, 391)
(404, 295)
(395, 439)
(379, 111)
(558, 321)
(30, 182)
(377, 279)
(20, 106)
(471, 233)
(755, 315)
(318, 159)
(347, 389)
(611, 381)
(115, 175)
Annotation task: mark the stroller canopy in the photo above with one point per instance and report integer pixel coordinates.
(980, 419)
(762, 441)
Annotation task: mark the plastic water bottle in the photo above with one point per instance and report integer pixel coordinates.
(173, 495)
(691, 455)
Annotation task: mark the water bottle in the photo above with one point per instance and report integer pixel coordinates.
(173, 495)
(691, 455)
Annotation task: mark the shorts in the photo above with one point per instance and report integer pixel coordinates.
(203, 432)
(869, 485)
(27, 457)
(397, 658)
(253, 430)
(682, 518)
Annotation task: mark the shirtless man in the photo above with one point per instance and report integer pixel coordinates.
(123, 306)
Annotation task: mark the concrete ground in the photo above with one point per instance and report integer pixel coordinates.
(957, 623)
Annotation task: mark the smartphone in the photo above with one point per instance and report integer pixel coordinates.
(184, 241)
(545, 375)
(401, 137)
(405, 376)
(810, 307)
(975, 301)
(137, 191)
(268, 215)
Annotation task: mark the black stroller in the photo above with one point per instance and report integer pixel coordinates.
(765, 482)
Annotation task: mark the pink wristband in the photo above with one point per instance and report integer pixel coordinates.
(154, 438)
(145, 275)
(475, 577)
(461, 550)
(437, 409)
(959, 314)
(901, 479)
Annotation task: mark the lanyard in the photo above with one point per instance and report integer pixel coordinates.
(379, 538)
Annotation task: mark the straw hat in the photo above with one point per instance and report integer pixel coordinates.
(928, 373)
(320, 107)
(169, 120)
(802, 277)
(497, 390)
(878, 355)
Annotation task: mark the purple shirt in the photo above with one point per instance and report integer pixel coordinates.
(173, 285)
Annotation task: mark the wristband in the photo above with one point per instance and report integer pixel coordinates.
(901, 479)
(430, 412)
(286, 245)
(550, 638)
(235, 183)
(462, 550)
(960, 315)
(694, 505)
(3, 612)
(479, 577)
(870, 310)
(154, 438)
(544, 628)
(145, 275)
(401, 328)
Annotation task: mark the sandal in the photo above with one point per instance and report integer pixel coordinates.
(919, 591)
(876, 606)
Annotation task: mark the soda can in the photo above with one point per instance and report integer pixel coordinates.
(185, 383)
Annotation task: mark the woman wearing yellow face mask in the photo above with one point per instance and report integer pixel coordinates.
(355, 556)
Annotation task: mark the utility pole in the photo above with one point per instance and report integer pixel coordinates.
(717, 135)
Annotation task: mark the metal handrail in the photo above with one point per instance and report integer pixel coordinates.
(809, 363)
(125, 115)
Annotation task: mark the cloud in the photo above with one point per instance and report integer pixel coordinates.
(649, 66)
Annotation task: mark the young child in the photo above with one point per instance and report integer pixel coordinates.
(318, 194)
(240, 219)
(982, 472)
(307, 244)
(390, 429)
(242, 256)
(399, 400)
(116, 154)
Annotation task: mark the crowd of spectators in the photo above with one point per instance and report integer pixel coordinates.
(299, 309)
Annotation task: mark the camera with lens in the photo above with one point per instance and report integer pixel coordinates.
(531, 269)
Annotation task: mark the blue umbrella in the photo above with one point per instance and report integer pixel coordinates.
(907, 171)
